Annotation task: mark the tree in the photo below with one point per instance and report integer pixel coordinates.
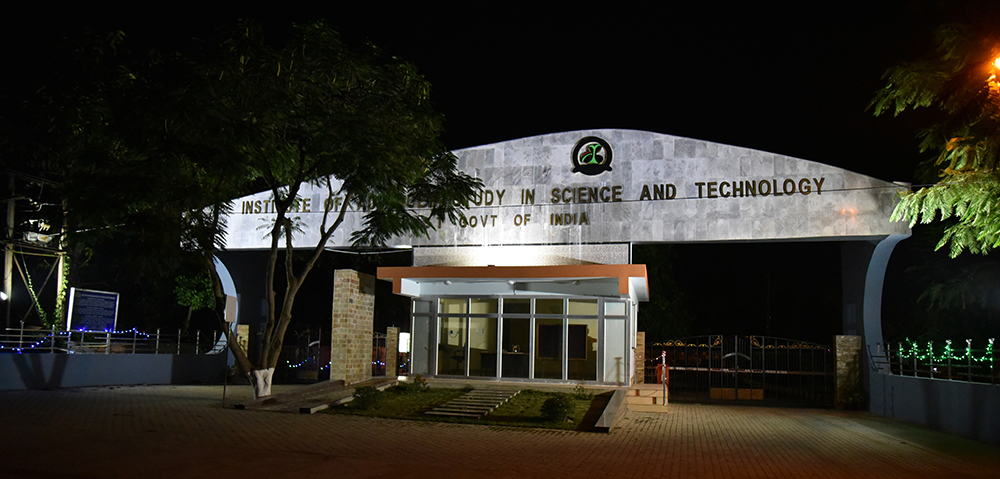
(152, 147)
(306, 109)
(959, 79)
(130, 162)
(195, 292)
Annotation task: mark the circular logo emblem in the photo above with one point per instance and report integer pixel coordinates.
(591, 156)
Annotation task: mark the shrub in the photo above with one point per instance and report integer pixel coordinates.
(416, 384)
(582, 393)
(557, 407)
(366, 397)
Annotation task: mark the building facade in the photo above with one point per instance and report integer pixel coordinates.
(536, 282)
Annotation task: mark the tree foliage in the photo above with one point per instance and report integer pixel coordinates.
(306, 109)
(959, 80)
(150, 148)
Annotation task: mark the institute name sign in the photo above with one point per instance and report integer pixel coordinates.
(625, 186)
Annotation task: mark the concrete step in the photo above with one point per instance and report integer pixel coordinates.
(313, 408)
(475, 403)
(453, 414)
(647, 390)
(646, 400)
(479, 411)
(648, 408)
(491, 396)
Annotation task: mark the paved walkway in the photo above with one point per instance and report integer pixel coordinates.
(183, 432)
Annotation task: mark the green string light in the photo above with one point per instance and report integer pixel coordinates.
(913, 350)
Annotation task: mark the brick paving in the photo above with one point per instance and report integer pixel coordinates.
(184, 432)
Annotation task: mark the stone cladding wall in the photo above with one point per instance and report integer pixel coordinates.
(353, 317)
(847, 376)
(640, 358)
(391, 351)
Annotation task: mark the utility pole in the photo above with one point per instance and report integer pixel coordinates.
(8, 263)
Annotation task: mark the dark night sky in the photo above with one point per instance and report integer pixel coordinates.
(790, 80)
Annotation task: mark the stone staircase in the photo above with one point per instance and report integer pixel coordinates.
(646, 398)
(476, 403)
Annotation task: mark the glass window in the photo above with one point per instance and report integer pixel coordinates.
(421, 307)
(615, 352)
(451, 346)
(484, 306)
(516, 346)
(516, 306)
(548, 306)
(583, 307)
(483, 347)
(548, 348)
(581, 346)
(453, 306)
(559, 341)
(614, 308)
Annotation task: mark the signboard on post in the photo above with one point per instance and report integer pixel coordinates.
(92, 310)
(231, 306)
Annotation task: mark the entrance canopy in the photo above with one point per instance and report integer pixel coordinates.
(622, 280)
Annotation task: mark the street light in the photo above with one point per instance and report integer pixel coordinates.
(992, 80)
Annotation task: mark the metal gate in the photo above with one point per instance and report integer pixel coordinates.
(748, 369)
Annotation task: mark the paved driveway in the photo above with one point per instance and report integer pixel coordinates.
(174, 432)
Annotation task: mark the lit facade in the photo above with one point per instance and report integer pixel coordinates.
(536, 283)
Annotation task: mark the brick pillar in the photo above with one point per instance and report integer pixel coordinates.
(640, 357)
(353, 318)
(391, 351)
(848, 393)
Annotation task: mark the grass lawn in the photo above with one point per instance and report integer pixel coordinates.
(523, 410)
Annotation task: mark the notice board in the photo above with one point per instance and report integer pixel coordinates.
(92, 310)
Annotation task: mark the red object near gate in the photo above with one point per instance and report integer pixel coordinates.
(660, 374)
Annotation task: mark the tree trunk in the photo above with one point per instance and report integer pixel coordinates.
(187, 320)
(262, 382)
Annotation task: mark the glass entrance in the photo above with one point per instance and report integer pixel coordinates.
(452, 337)
(516, 358)
(527, 338)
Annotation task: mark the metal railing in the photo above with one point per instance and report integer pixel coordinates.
(945, 362)
(20, 341)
